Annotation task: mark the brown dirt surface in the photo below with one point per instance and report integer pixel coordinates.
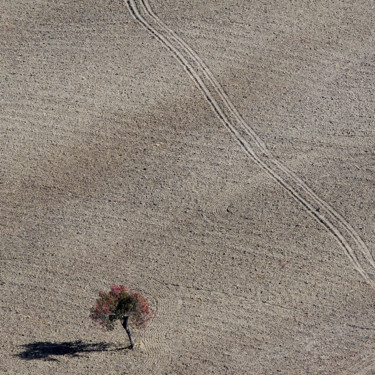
(217, 156)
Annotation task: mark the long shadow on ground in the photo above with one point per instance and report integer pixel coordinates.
(46, 350)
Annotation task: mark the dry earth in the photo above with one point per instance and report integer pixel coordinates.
(117, 168)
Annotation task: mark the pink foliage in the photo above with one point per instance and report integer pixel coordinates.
(121, 301)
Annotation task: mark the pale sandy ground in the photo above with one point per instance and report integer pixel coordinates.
(115, 169)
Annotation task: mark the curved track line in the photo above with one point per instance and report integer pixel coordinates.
(263, 151)
(153, 338)
(259, 143)
(366, 367)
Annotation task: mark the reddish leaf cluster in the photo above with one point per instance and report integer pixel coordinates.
(121, 301)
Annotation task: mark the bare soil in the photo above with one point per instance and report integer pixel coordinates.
(118, 168)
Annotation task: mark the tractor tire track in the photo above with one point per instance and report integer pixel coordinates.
(333, 222)
(255, 138)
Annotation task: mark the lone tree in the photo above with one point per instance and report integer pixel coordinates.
(121, 303)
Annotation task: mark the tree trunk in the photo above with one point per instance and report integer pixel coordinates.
(126, 327)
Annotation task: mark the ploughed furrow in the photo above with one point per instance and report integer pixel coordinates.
(348, 239)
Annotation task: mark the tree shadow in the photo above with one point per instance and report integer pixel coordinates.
(46, 350)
